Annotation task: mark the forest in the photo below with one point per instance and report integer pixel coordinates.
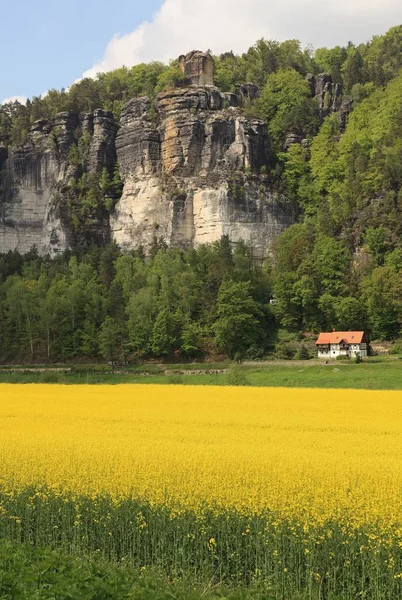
(213, 301)
(339, 266)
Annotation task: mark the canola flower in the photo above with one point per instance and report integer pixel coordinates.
(304, 454)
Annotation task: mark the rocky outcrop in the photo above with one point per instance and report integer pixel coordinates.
(34, 180)
(101, 129)
(28, 214)
(198, 68)
(330, 100)
(193, 169)
(247, 91)
(193, 174)
(330, 97)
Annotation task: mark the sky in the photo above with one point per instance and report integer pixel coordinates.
(48, 44)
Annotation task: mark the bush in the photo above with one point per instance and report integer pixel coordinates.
(175, 379)
(255, 352)
(238, 357)
(396, 348)
(286, 351)
(302, 353)
(52, 377)
(236, 376)
(343, 358)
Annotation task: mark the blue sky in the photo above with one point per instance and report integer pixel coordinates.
(48, 44)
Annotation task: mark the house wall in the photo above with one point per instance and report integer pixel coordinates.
(358, 348)
(335, 350)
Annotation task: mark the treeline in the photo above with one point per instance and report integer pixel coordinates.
(377, 61)
(108, 91)
(206, 302)
(319, 284)
(359, 68)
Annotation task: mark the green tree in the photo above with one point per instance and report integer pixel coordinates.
(105, 183)
(170, 78)
(331, 61)
(165, 334)
(142, 311)
(350, 314)
(113, 340)
(375, 239)
(239, 319)
(192, 335)
(353, 69)
(331, 263)
(382, 297)
(287, 106)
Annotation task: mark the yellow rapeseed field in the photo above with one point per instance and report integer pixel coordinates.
(301, 452)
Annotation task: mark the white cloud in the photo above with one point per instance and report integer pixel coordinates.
(183, 25)
(21, 99)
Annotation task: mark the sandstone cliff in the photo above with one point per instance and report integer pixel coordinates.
(193, 168)
(34, 180)
(190, 165)
(184, 174)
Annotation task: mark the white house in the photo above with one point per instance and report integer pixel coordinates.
(342, 343)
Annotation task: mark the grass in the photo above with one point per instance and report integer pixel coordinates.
(28, 573)
(374, 373)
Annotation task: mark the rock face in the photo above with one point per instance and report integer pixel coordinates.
(33, 180)
(192, 175)
(193, 169)
(28, 213)
(330, 97)
(198, 68)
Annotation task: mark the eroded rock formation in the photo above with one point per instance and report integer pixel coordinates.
(198, 68)
(193, 175)
(34, 180)
(330, 100)
(330, 97)
(193, 169)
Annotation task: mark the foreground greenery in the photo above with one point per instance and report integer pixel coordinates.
(264, 557)
(385, 375)
(28, 572)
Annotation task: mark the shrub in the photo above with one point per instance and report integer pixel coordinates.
(52, 377)
(396, 348)
(236, 376)
(302, 353)
(286, 351)
(255, 352)
(175, 379)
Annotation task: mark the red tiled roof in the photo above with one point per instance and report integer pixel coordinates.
(335, 337)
